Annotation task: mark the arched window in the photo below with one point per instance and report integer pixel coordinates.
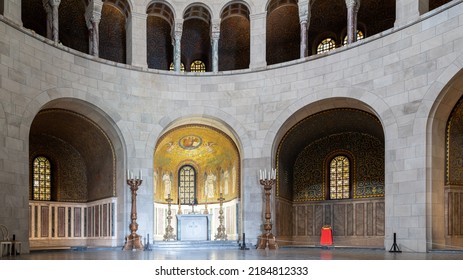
(187, 185)
(41, 188)
(172, 68)
(360, 36)
(198, 66)
(326, 45)
(339, 177)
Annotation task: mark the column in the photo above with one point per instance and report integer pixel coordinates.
(55, 25)
(93, 17)
(12, 11)
(48, 10)
(51, 7)
(136, 40)
(408, 11)
(177, 45)
(258, 40)
(304, 16)
(352, 11)
(215, 35)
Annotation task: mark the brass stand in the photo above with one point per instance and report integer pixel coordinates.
(133, 240)
(267, 239)
(169, 229)
(221, 233)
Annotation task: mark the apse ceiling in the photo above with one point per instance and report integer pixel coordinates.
(324, 124)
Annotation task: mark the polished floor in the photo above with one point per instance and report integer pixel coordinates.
(311, 253)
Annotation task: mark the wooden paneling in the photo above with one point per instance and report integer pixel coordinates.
(359, 219)
(77, 222)
(61, 221)
(44, 221)
(348, 218)
(454, 212)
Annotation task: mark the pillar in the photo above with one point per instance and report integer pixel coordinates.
(52, 9)
(304, 16)
(12, 11)
(215, 35)
(353, 7)
(93, 17)
(258, 40)
(136, 40)
(408, 11)
(177, 41)
(55, 24)
(48, 10)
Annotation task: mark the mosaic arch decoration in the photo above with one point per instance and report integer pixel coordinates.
(213, 155)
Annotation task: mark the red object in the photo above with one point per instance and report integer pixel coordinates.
(326, 238)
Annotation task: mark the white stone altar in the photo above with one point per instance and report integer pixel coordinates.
(193, 227)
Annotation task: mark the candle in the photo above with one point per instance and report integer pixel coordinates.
(128, 174)
(140, 174)
(260, 176)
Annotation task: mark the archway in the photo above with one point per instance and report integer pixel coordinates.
(85, 155)
(197, 165)
(312, 193)
(444, 184)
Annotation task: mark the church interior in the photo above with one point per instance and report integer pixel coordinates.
(134, 124)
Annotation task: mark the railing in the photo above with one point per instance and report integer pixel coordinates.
(230, 212)
(58, 224)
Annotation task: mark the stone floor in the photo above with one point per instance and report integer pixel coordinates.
(311, 253)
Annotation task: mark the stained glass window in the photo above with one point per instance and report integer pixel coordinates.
(339, 177)
(326, 45)
(198, 66)
(172, 67)
(42, 179)
(359, 37)
(187, 185)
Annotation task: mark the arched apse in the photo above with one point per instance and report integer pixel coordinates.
(87, 154)
(444, 152)
(304, 200)
(198, 166)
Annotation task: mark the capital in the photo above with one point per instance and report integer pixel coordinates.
(54, 3)
(352, 4)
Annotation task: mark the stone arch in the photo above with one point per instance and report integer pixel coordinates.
(434, 112)
(204, 115)
(339, 98)
(79, 127)
(225, 170)
(302, 145)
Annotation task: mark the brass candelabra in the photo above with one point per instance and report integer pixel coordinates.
(267, 239)
(169, 235)
(133, 240)
(221, 232)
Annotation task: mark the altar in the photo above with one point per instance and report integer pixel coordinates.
(194, 227)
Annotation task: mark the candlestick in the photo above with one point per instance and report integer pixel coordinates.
(133, 240)
(169, 235)
(267, 239)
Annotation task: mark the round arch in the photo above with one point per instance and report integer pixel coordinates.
(446, 93)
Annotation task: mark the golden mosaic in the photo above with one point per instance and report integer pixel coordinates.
(211, 153)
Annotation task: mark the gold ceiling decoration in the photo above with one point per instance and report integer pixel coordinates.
(211, 153)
